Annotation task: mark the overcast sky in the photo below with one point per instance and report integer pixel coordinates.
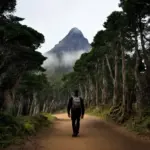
(54, 18)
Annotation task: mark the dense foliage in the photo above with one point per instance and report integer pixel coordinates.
(13, 129)
(116, 72)
(25, 90)
(24, 87)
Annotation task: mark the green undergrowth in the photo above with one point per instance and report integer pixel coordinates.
(99, 112)
(139, 125)
(14, 129)
(63, 111)
(136, 124)
(60, 111)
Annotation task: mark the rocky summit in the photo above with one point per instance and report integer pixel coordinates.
(62, 57)
(73, 41)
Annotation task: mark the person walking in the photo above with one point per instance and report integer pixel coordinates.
(76, 107)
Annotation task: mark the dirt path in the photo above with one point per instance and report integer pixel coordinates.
(94, 135)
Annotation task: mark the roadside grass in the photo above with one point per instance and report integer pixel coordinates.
(14, 129)
(140, 126)
(99, 112)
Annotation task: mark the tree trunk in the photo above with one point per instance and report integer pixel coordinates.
(124, 83)
(146, 75)
(96, 90)
(31, 107)
(143, 44)
(13, 90)
(97, 84)
(81, 91)
(137, 77)
(25, 104)
(8, 104)
(1, 98)
(20, 106)
(91, 92)
(86, 95)
(51, 105)
(36, 104)
(110, 70)
(116, 90)
(104, 87)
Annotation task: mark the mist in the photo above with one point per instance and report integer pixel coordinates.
(67, 60)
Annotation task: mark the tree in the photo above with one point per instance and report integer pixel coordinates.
(7, 6)
(17, 52)
(137, 12)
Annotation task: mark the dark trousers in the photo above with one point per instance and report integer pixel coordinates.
(76, 124)
(75, 116)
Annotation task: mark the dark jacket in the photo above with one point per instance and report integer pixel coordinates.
(78, 111)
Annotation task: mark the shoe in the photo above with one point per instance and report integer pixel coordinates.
(77, 133)
(73, 135)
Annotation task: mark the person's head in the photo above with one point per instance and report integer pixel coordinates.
(76, 93)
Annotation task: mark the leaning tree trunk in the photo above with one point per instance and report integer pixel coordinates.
(110, 69)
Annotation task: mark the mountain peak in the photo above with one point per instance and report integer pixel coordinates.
(75, 30)
(63, 55)
(73, 41)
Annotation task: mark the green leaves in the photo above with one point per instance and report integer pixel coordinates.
(7, 6)
(33, 82)
(19, 42)
(16, 33)
(20, 68)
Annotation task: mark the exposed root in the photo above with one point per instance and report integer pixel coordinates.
(118, 114)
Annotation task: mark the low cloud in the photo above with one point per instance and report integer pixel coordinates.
(68, 59)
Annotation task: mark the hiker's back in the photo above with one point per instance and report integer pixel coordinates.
(76, 102)
(76, 106)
